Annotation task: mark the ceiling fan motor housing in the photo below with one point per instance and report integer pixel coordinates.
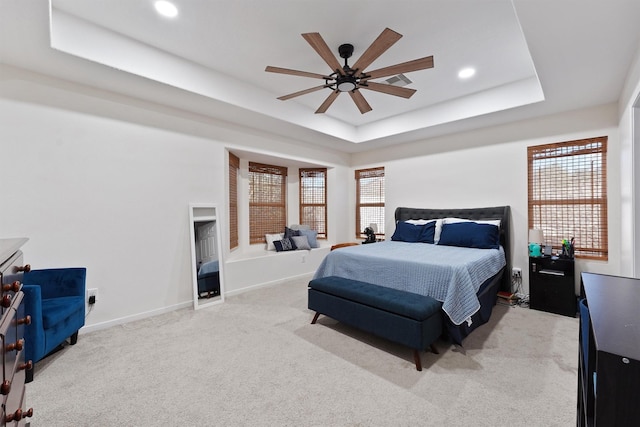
(345, 51)
(346, 82)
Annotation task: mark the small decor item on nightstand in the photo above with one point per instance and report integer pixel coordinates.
(567, 248)
(371, 235)
(536, 239)
(534, 250)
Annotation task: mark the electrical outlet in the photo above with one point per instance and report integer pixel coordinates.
(92, 295)
(516, 272)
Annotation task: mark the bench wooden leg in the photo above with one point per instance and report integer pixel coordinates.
(434, 350)
(416, 357)
(313, 322)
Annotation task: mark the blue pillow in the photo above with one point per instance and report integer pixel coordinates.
(285, 244)
(312, 236)
(470, 235)
(412, 233)
(301, 242)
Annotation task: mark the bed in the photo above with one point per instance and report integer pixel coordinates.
(466, 280)
(209, 279)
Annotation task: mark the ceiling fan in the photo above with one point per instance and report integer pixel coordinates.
(353, 78)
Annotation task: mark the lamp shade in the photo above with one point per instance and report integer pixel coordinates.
(374, 227)
(536, 236)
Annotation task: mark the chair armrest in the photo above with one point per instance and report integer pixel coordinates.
(58, 282)
(32, 302)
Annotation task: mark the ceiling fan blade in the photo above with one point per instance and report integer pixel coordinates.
(279, 70)
(404, 92)
(302, 92)
(327, 102)
(405, 67)
(385, 40)
(317, 42)
(361, 103)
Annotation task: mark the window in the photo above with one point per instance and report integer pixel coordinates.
(267, 200)
(313, 200)
(369, 200)
(568, 194)
(234, 167)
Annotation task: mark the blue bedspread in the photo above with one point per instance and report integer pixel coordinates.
(209, 267)
(448, 274)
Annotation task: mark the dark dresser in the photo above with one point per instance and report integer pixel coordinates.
(552, 285)
(609, 351)
(12, 323)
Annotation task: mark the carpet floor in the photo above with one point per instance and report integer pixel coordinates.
(257, 361)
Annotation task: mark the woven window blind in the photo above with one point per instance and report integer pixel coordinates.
(369, 200)
(234, 167)
(313, 199)
(267, 200)
(568, 194)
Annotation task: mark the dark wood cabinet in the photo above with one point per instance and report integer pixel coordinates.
(13, 320)
(552, 285)
(609, 351)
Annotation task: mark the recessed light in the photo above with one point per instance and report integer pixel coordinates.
(166, 8)
(465, 73)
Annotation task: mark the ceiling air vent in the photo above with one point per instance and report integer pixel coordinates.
(399, 80)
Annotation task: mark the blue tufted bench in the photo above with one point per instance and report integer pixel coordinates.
(402, 317)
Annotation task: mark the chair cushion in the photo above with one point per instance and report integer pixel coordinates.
(56, 310)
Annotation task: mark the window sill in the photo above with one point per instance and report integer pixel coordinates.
(258, 251)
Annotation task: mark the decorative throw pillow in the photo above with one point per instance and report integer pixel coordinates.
(407, 232)
(285, 244)
(299, 227)
(270, 238)
(301, 242)
(470, 235)
(289, 232)
(312, 237)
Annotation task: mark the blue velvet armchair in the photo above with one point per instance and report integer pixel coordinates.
(55, 300)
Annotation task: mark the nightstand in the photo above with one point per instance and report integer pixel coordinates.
(552, 285)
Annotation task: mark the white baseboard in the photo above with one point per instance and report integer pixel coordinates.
(110, 323)
(134, 317)
(266, 284)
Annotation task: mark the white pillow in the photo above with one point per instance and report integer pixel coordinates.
(270, 238)
(450, 220)
(419, 221)
(495, 222)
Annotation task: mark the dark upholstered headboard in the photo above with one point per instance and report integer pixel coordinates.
(502, 213)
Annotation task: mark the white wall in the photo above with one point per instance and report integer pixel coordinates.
(427, 175)
(110, 189)
(629, 125)
(98, 180)
(110, 196)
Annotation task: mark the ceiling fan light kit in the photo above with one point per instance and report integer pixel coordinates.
(350, 79)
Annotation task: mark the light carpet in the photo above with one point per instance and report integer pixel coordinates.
(257, 361)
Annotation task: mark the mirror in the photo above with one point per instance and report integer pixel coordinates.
(206, 259)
